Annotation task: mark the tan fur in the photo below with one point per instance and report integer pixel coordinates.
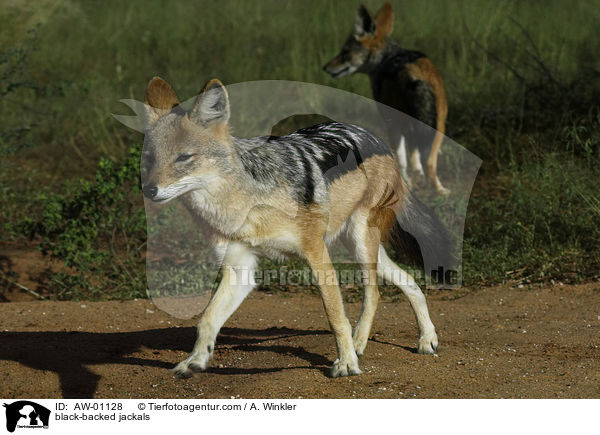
(221, 132)
(423, 69)
(160, 95)
(278, 214)
(384, 21)
(211, 84)
(384, 24)
(317, 256)
(348, 193)
(372, 42)
(371, 240)
(373, 196)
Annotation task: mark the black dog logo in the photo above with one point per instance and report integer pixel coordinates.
(26, 414)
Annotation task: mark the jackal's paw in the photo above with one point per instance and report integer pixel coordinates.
(418, 175)
(189, 366)
(345, 368)
(443, 191)
(428, 344)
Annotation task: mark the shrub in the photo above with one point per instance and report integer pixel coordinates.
(97, 230)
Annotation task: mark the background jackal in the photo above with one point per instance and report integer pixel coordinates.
(403, 79)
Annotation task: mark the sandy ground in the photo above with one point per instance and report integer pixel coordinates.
(495, 342)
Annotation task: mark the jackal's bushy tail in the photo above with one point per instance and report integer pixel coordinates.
(419, 237)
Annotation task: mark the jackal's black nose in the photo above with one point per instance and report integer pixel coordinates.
(150, 191)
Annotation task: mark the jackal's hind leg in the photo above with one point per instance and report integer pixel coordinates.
(415, 162)
(364, 242)
(431, 163)
(319, 261)
(387, 269)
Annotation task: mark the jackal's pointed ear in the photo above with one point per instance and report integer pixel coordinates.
(212, 104)
(160, 99)
(363, 23)
(384, 21)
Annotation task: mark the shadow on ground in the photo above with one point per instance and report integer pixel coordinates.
(69, 353)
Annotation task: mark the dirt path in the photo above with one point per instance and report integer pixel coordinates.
(496, 342)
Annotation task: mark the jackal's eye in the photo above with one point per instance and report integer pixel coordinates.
(183, 157)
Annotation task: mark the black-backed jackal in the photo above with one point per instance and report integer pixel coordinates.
(405, 80)
(286, 195)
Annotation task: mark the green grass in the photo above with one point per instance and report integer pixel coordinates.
(535, 210)
(539, 223)
(113, 49)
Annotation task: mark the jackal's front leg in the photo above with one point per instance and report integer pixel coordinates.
(237, 283)
(347, 362)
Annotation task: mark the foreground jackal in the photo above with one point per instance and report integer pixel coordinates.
(405, 80)
(287, 195)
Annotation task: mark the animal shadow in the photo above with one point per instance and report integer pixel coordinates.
(68, 353)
